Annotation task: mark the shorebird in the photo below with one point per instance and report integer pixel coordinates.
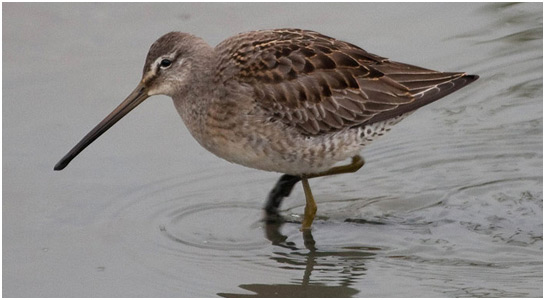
(285, 100)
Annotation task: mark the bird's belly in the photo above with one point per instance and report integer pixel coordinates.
(277, 148)
(282, 151)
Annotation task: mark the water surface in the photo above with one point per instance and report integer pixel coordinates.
(449, 204)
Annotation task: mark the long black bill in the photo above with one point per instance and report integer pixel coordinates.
(133, 100)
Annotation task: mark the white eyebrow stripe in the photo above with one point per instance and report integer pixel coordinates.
(157, 62)
(155, 65)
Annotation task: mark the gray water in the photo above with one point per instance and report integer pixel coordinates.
(449, 203)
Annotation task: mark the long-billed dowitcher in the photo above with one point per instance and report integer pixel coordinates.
(286, 100)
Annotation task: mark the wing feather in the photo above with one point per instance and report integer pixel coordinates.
(318, 84)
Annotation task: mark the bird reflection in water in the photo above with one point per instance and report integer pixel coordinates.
(327, 272)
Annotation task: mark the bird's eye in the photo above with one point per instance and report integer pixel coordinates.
(165, 63)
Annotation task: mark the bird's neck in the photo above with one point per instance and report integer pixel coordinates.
(191, 100)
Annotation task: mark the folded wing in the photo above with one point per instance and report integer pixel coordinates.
(319, 85)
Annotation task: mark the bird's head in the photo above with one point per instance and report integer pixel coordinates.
(168, 70)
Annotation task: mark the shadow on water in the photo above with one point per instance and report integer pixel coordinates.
(349, 262)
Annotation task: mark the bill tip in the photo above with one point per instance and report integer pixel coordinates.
(59, 166)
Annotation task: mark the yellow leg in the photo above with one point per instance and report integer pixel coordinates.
(311, 207)
(356, 164)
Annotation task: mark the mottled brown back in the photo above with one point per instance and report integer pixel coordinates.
(320, 85)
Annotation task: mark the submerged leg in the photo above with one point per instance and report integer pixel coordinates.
(282, 189)
(285, 185)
